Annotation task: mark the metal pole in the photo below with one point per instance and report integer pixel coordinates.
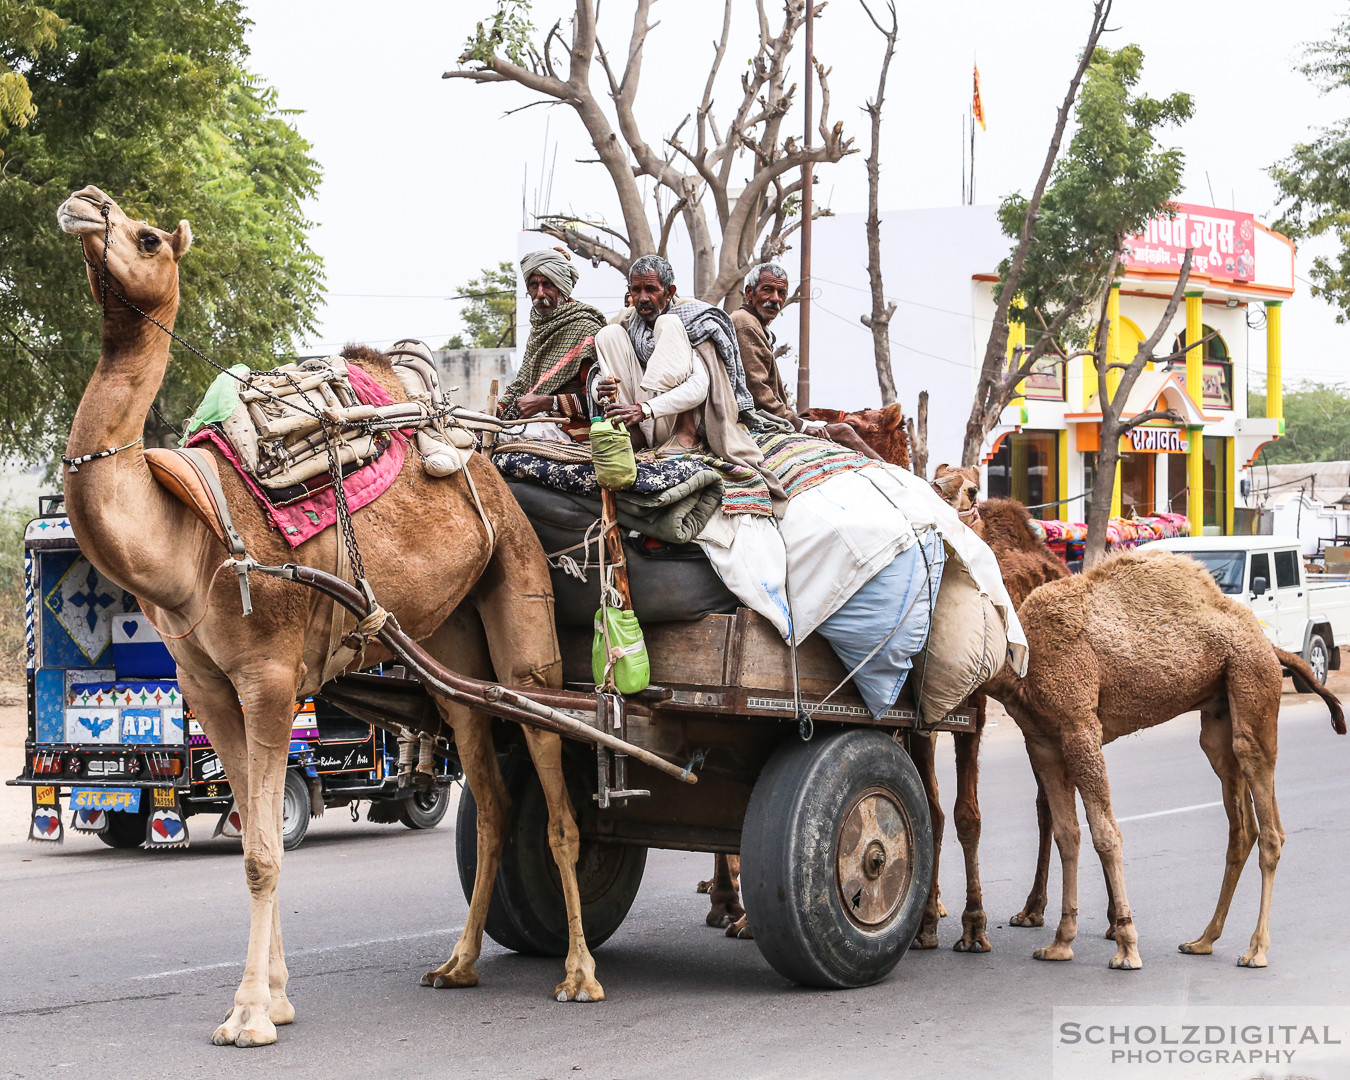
(804, 322)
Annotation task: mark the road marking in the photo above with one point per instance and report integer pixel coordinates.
(292, 956)
(1164, 813)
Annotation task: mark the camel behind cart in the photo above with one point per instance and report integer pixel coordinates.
(736, 747)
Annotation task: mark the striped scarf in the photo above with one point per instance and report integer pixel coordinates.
(557, 348)
(702, 322)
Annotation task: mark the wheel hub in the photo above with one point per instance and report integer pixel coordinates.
(872, 858)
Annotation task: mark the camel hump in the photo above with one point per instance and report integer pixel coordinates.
(1007, 523)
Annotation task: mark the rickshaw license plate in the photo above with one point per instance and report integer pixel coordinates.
(105, 799)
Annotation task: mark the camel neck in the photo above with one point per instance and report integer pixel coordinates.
(120, 515)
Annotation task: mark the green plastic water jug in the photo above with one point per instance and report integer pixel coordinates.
(632, 669)
(612, 453)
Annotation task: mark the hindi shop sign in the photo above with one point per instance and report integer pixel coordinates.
(1224, 243)
(1158, 440)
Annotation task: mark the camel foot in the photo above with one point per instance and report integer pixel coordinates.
(925, 939)
(454, 979)
(973, 943)
(703, 887)
(1252, 958)
(942, 910)
(1027, 918)
(723, 915)
(741, 929)
(1055, 951)
(1198, 947)
(578, 987)
(247, 1025)
(281, 1011)
(1125, 963)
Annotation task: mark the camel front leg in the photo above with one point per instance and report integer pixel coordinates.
(1033, 911)
(921, 752)
(966, 813)
(478, 758)
(1216, 739)
(565, 841)
(254, 755)
(1087, 769)
(1048, 766)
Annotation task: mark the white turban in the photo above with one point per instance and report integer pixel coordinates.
(555, 264)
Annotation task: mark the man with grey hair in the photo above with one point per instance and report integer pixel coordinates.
(766, 292)
(671, 368)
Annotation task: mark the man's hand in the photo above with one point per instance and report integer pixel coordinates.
(533, 404)
(631, 415)
(606, 388)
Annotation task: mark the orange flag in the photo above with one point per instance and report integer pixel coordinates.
(976, 107)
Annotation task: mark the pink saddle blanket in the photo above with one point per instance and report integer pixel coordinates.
(304, 520)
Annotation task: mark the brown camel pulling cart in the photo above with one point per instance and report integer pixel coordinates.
(836, 848)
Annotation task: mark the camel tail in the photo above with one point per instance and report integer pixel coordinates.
(1297, 664)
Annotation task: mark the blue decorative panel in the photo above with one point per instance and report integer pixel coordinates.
(50, 706)
(138, 652)
(78, 604)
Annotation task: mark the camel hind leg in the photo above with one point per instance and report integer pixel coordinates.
(1033, 911)
(1254, 703)
(515, 604)
(478, 758)
(724, 892)
(1216, 739)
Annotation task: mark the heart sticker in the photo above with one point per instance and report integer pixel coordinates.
(46, 824)
(130, 627)
(166, 826)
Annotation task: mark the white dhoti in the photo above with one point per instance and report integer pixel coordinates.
(674, 381)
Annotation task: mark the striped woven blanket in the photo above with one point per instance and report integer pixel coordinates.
(801, 462)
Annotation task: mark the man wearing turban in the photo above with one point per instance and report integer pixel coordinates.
(560, 351)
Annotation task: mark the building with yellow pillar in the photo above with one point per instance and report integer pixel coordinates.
(941, 270)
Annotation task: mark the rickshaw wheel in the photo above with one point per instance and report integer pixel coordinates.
(295, 810)
(125, 829)
(528, 914)
(424, 811)
(837, 858)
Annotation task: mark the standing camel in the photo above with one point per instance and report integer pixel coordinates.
(1090, 681)
(426, 552)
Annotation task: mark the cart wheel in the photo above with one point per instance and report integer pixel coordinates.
(1319, 659)
(295, 810)
(424, 811)
(836, 858)
(125, 829)
(527, 913)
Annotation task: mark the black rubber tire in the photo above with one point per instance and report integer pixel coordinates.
(789, 849)
(527, 913)
(295, 810)
(1319, 659)
(424, 811)
(125, 829)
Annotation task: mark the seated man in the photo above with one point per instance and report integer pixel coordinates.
(672, 370)
(766, 291)
(560, 351)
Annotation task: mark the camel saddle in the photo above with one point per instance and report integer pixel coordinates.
(191, 477)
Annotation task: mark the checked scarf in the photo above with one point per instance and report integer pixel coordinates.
(702, 322)
(557, 348)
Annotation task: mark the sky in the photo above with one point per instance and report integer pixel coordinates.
(428, 180)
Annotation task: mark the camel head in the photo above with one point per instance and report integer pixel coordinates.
(142, 260)
(959, 487)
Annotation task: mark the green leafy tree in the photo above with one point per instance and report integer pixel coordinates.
(150, 100)
(489, 312)
(25, 30)
(1114, 177)
(1314, 194)
(1316, 422)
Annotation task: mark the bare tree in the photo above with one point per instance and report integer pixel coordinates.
(879, 321)
(695, 181)
(918, 438)
(997, 384)
(1113, 404)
